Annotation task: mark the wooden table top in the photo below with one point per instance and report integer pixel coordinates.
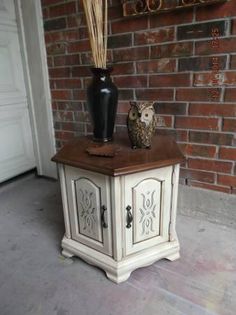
(164, 152)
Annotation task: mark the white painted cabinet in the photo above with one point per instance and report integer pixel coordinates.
(119, 215)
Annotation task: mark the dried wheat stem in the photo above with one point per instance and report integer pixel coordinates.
(96, 12)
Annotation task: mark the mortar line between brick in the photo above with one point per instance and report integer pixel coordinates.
(174, 93)
(227, 65)
(194, 15)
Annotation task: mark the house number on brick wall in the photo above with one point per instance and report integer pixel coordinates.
(140, 7)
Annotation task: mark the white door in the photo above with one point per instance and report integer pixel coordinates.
(89, 208)
(147, 208)
(16, 145)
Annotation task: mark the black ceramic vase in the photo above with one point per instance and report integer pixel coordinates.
(102, 96)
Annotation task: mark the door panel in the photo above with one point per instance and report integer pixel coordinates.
(16, 144)
(7, 12)
(146, 197)
(12, 87)
(16, 147)
(88, 194)
(148, 194)
(88, 199)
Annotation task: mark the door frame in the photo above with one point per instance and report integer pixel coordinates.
(31, 34)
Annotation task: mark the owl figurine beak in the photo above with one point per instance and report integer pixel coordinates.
(139, 114)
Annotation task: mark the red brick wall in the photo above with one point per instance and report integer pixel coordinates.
(174, 59)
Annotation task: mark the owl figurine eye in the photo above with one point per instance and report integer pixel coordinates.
(133, 113)
(147, 115)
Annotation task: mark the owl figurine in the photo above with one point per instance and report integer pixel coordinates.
(142, 122)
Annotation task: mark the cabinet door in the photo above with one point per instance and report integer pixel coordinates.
(89, 208)
(147, 203)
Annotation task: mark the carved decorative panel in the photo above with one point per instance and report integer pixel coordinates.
(88, 197)
(146, 209)
(140, 7)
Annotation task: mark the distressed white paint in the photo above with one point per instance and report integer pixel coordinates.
(64, 195)
(127, 253)
(174, 198)
(16, 144)
(117, 219)
(147, 209)
(88, 200)
(138, 188)
(85, 215)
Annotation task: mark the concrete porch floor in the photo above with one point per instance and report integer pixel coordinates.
(36, 280)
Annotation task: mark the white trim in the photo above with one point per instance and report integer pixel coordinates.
(119, 271)
(62, 177)
(30, 21)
